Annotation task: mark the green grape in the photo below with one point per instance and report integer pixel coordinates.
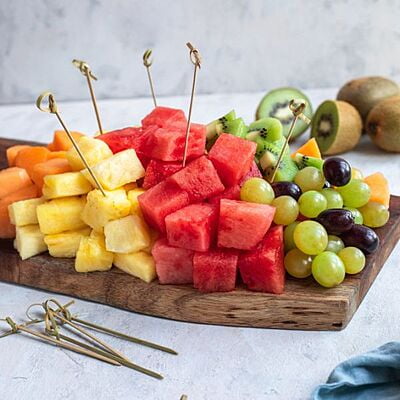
(298, 264)
(358, 218)
(287, 210)
(356, 173)
(312, 203)
(257, 190)
(353, 259)
(310, 178)
(328, 269)
(288, 236)
(310, 237)
(335, 244)
(374, 214)
(355, 194)
(333, 198)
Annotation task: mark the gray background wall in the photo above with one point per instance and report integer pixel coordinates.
(246, 45)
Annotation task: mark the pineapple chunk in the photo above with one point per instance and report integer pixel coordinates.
(130, 186)
(127, 235)
(29, 241)
(94, 150)
(65, 185)
(24, 212)
(99, 209)
(60, 215)
(154, 235)
(138, 264)
(120, 169)
(133, 198)
(92, 254)
(65, 244)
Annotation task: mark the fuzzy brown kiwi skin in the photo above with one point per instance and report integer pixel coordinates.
(383, 124)
(349, 129)
(365, 93)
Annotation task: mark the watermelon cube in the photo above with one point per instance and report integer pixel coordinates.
(243, 225)
(262, 269)
(215, 271)
(232, 193)
(199, 179)
(193, 227)
(232, 156)
(174, 265)
(254, 172)
(168, 143)
(158, 171)
(164, 116)
(160, 201)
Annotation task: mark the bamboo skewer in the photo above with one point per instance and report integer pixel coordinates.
(147, 63)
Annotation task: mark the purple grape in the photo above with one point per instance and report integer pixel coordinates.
(286, 189)
(362, 237)
(337, 171)
(336, 220)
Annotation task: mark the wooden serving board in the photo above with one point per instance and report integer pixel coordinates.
(304, 305)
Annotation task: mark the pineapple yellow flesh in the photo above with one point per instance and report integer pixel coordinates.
(65, 185)
(60, 215)
(92, 254)
(101, 209)
(133, 198)
(29, 241)
(127, 235)
(138, 264)
(94, 151)
(65, 244)
(24, 212)
(120, 169)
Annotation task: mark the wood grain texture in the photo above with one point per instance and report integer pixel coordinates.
(304, 305)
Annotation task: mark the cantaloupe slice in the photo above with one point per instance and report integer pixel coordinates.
(12, 153)
(7, 230)
(13, 179)
(309, 148)
(57, 154)
(29, 157)
(49, 167)
(379, 188)
(61, 141)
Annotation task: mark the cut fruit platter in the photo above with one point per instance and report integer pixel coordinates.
(219, 223)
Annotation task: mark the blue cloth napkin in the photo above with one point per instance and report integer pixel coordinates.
(372, 376)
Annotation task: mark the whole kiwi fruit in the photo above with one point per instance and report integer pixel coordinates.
(383, 124)
(365, 93)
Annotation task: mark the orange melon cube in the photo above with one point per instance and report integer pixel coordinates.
(57, 154)
(12, 152)
(28, 158)
(49, 167)
(13, 179)
(310, 149)
(61, 141)
(379, 188)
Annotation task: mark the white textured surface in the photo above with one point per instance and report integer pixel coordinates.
(214, 362)
(246, 45)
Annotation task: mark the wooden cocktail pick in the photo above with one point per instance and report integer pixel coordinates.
(196, 61)
(53, 109)
(147, 63)
(297, 106)
(87, 72)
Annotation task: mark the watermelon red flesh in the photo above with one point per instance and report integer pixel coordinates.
(243, 225)
(254, 172)
(160, 201)
(173, 265)
(164, 117)
(158, 171)
(231, 193)
(232, 157)
(215, 271)
(262, 269)
(199, 179)
(168, 143)
(193, 227)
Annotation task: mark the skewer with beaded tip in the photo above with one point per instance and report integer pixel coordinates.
(147, 62)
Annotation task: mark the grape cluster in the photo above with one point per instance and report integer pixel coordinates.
(328, 216)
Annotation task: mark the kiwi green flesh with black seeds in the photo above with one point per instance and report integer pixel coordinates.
(267, 128)
(275, 104)
(303, 161)
(286, 172)
(212, 126)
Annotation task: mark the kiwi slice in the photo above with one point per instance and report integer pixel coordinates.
(336, 126)
(274, 147)
(303, 161)
(275, 104)
(212, 126)
(267, 128)
(287, 168)
(235, 127)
